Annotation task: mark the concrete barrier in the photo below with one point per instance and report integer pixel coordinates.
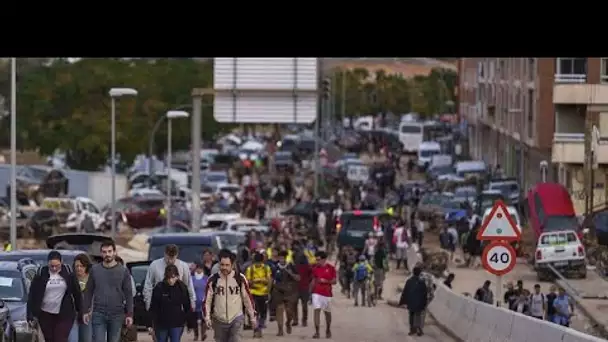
(473, 321)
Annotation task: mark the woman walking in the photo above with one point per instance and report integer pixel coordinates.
(199, 280)
(54, 299)
(169, 307)
(81, 332)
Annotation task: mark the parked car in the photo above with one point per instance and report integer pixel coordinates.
(238, 223)
(354, 226)
(35, 182)
(509, 188)
(90, 243)
(191, 245)
(430, 206)
(215, 216)
(138, 212)
(284, 161)
(15, 280)
(550, 208)
(561, 249)
(39, 256)
(214, 178)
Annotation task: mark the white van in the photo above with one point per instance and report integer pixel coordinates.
(414, 133)
(466, 169)
(426, 151)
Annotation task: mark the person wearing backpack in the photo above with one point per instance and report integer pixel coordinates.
(538, 303)
(259, 276)
(227, 294)
(362, 271)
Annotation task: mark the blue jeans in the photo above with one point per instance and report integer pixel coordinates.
(74, 333)
(81, 333)
(106, 328)
(173, 334)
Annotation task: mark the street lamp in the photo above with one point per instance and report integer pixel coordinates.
(172, 114)
(13, 192)
(114, 93)
(151, 171)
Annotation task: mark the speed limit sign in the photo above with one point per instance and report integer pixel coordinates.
(499, 258)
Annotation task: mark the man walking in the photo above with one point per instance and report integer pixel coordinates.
(415, 295)
(109, 294)
(285, 292)
(259, 276)
(402, 238)
(156, 273)
(227, 294)
(362, 271)
(324, 277)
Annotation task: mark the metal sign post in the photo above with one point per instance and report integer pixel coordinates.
(499, 257)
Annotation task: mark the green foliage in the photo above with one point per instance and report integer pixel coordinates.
(365, 93)
(66, 106)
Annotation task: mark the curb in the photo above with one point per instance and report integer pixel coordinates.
(598, 326)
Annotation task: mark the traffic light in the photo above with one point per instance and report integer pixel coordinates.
(326, 88)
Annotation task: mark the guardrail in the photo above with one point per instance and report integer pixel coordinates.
(470, 320)
(568, 137)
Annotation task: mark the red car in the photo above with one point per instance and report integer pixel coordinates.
(550, 208)
(141, 212)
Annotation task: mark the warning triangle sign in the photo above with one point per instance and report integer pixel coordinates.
(499, 225)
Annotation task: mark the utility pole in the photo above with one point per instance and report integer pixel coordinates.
(325, 98)
(343, 104)
(195, 150)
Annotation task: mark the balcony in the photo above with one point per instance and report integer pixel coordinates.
(570, 78)
(569, 148)
(584, 94)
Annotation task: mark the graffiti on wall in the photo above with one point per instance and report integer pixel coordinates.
(581, 194)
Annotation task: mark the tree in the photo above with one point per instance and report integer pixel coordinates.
(384, 93)
(66, 106)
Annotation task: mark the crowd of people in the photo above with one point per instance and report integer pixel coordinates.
(555, 306)
(95, 302)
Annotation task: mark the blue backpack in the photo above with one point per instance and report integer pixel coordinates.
(361, 272)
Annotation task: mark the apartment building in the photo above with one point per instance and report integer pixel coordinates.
(522, 111)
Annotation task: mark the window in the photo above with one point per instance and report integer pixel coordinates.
(571, 66)
(538, 206)
(531, 69)
(568, 179)
(530, 113)
(481, 70)
(491, 70)
(411, 129)
(604, 70)
(502, 69)
(570, 69)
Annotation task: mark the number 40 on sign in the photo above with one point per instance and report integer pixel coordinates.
(499, 258)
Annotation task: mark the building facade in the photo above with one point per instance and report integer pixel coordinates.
(522, 112)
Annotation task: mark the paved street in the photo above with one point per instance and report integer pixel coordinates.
(354, 324)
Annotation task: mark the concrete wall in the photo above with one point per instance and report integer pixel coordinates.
(471, 320)
(577, 187)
